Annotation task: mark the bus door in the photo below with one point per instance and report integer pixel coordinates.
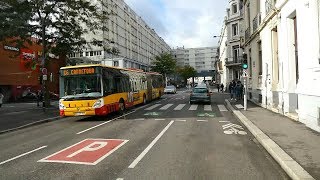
(149, 88)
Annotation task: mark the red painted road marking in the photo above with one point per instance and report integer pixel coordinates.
(88, 151)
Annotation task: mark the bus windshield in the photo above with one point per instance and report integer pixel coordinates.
(82, 87)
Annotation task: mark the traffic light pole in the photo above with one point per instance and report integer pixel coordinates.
(245, 92)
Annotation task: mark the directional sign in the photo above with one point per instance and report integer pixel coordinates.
(152, 114)
(88, 151)
(206, 115)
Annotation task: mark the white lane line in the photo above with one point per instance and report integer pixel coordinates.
(179, 107)
(224, 121)
(3, 162)
(138, 159)
(166, 107)
(141, 107)
(207, 108)
(181, 120)
(159, 119)
(193, 107)
(152, 107)
(202, 120)
(119, 179)
(139, 119)
(104, 123)
(12, 113)
(222, 108)
(239, 106)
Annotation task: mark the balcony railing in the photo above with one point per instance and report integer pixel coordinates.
(256, 22)
(234, 60)
(247, 33)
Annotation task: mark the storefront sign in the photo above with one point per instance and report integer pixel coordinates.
(11, 48)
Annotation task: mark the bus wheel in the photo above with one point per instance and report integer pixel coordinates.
(144, 99)
(122, 106)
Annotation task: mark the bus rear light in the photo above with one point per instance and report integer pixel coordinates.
(61, 113)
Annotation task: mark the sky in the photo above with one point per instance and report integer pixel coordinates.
(188, 23)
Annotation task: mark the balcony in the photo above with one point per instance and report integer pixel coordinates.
(256, 22)
(269, 6)
(234, 61)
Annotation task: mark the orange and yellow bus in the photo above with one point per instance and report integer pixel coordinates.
(97, 90)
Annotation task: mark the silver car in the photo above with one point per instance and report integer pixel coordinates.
(170, 89)
(200, 94)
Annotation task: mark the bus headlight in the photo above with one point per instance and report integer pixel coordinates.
(61, 106)
(98, 104)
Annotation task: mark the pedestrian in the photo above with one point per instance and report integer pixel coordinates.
(222, 87)
(238, 90)
(39, 97)
(1, 99)
(231, 90)
(218, 87)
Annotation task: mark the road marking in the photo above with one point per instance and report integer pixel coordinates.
(239, 106)
(179, 107)
(119, 179)
(233, 129)
(224, 121)
(202, 120)
(138, 159)
(166, 107)
(181, 120)
(139, 119)
(104, 123)
(193, 107)
(87, 152)
(13, 113)
(152, 107)
(159, 119)
(207, 108)
(222, 108)
(141, 107)
(3, 162)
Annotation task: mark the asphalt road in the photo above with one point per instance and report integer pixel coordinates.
(165, 139)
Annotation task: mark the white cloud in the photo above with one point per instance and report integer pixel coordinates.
(187, 23)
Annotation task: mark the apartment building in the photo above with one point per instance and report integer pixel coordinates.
(202, 59)
(230, 49)
(136, 42)
(282, 40)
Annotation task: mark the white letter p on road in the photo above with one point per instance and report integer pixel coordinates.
(90, 147)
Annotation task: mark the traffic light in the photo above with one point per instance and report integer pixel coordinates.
(244, 62)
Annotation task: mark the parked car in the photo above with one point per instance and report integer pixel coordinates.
(170, 89)
(200, 94)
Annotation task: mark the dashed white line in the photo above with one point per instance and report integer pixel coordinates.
(224, 121)
(180, 120)
(13, 113)
(179, 107)
(193, 107)
(207, 108)
(222, 108)
(119, 179)
(202, 120)
(166, 107)
(139, 119)
(153, 106)
(104, 123)
(159, 119)
(138, 159)
(3, 162)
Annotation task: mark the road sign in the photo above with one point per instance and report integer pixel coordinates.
(44, 77)
(88, 151)
(44, 71)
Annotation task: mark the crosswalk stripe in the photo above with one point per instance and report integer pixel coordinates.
(222, 108)
(152, 107)
(207, 108)
(193, 107)
(179, 107)
(166, 106)
(239, 106)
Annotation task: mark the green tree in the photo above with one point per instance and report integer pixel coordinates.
(58, 25)
(164, 64)
(186, 72)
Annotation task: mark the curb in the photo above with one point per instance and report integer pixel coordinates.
(289, 165)
(30, 124)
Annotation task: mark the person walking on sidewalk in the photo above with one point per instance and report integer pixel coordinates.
(222, 87)
(1, 99)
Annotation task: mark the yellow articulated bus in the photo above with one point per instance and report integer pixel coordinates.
(97, 90)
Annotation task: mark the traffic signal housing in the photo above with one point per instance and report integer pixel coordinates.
(244, 61)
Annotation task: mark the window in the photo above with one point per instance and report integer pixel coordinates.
(260, 58)
(235, 29)
(81, 54)
(234, 8)
(87, 53)
(91, 53)
(235, 53)
(116, 63)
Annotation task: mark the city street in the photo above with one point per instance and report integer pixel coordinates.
(165, 139)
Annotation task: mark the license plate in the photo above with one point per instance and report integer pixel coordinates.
(79, 113)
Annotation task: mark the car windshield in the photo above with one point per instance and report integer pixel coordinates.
(170, 87)
(200, 90)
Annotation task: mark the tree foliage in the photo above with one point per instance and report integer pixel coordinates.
(164, 64)
(187, 72)
(59, 25)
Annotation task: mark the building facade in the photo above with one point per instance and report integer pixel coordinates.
(282, 40)
(202, 59)
(231, 39)
(136, 42)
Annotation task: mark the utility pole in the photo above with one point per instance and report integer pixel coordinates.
(245, 80)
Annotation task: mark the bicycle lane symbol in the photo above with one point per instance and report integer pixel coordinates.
(231, 128)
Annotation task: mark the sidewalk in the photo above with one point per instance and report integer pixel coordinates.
(300, 144)
(19, 115)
